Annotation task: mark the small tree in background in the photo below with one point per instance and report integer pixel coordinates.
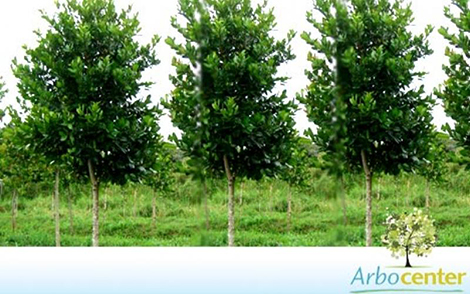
(296, 173)
(455, 92)
(12, 167)
(410, 234)
(160, 179)
(224, 100)
(434, 167)
(19, 166)
(82, 82)
(361, 95)
(3, 91)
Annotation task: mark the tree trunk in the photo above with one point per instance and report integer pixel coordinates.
(69, 200)
(57, 208)
(368, 175)
(242, 186)
(428, 196)
(14, 209)
(231, 208)
(52, 204)
(397, 204)
(408, 192)
(271, 197)
(379, 184)
(343, 202)
(105, 206)
(289, 208)
(206, 205)
(407, 257)
(134, 209)
(96, 204)
(124, 200)
(154, 211)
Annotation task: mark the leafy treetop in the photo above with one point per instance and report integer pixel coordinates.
(455, 92)
(224, 99)
(361, 96)
(82, 81)
(3, 91)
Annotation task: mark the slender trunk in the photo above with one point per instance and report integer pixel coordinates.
(289, 208)
(14, 209)
(134, 209)
(57, 208)
(407, 257)
(231, 209)
(397, 205)
(1, 189)
(368, 175)
(52, 204)
(343, 202)
(69, 200)
(105, 206)
(242, 186)
(379, 184)
(124, 200)
(408, 192)
(428, 195)
(96, 204)
(206, 205)
(154, 211)
(271, 197)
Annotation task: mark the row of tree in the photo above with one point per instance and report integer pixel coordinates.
(81, 115)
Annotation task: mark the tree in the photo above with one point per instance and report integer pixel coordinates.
(160, 179)
(3, 91)
(12, 166)
(19, 166)
(455, 92)
(296, 172)
(434, 166)
(410, 233)
(82, 82)
(224, 100)
(361, 95)
(333, 162)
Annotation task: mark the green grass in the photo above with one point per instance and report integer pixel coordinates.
(317, 218)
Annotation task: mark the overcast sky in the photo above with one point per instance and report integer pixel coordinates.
(19, 18)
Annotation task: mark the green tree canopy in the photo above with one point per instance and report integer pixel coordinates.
(225, 100)
(455, 92)
(361, 95)
(81, 82)
(3, 91)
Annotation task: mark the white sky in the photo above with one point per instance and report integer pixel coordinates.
(19, 18)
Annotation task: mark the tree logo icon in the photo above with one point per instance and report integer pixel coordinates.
(410, 234)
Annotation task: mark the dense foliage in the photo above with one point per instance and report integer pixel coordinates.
(81, 117)
(362, 96)
(81, 83)
(2, 94)
(455, 92)
(225, 101)
(225, 75)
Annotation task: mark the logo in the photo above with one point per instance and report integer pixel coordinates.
(406, 280)
(408, 234)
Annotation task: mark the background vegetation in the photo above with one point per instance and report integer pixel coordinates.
(260, 207)
(82, 121)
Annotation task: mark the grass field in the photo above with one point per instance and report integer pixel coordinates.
(317, 215)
